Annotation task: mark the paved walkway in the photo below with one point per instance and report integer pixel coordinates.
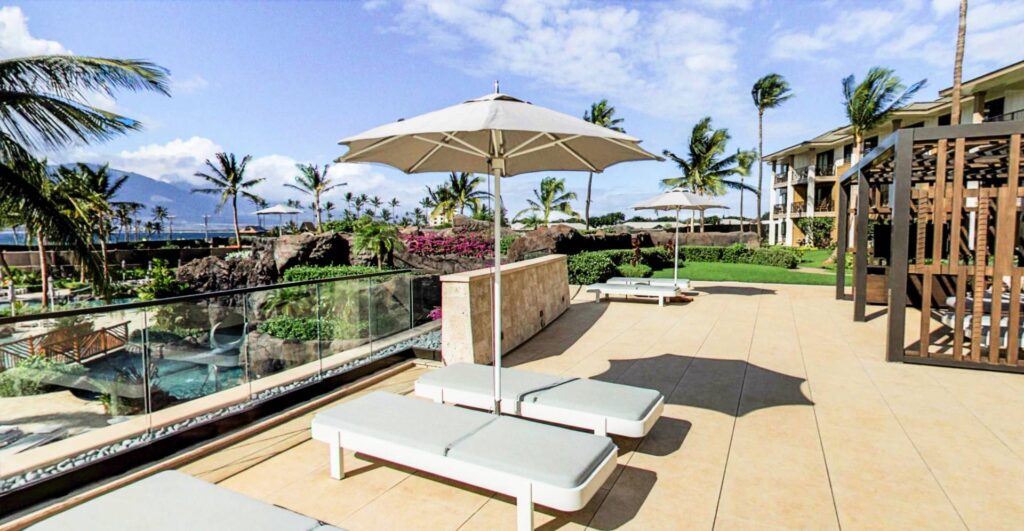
(781, 414)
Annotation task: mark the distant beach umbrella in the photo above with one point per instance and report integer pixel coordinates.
(677, 199)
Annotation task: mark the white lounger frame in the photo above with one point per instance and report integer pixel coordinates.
(523, 490)
(638, 290)
(683, 283)
(599, 424)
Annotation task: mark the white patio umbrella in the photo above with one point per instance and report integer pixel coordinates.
(278, 209)
(500, 135)
(677, 199)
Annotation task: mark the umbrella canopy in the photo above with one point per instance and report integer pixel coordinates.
(467, 136)
(677, 199)
(278, 209)
(500, 135)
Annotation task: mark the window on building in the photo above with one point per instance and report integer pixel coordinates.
(870, 143)
(847, 153)
(824, 160)
(945, 119)
(994, 108)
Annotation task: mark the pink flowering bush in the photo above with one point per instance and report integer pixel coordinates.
(435, 314)
(467, 244)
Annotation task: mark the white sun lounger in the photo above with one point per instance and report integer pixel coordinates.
(171, 501)
(637, 290)
(601, 407)
(535, 463)
(683, 283)
(949, 319)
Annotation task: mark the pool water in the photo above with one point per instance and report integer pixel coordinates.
(181, 379)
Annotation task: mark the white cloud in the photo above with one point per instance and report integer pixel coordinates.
(188, 85)
(661, 60)
(15, 39)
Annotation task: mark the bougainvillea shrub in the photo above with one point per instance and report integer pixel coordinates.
(468, 244)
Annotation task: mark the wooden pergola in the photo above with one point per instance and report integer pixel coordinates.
(940, 230)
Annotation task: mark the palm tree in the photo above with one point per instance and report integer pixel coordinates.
(870, 102)
(769, 92)
(551, 197)
(160, 215)
(43, 106)
(440, 200)
(602, 114)
(96, 196)
(329, 208)
(462, 189)
(125, 212)
(958, 65)
(379, 239)
(704, 168)
(313, 180)
(744, 161)
(227, 179)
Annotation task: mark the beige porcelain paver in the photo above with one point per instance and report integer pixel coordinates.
(781, 413)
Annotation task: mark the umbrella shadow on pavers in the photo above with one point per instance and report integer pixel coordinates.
(732, 387)
(734, 290)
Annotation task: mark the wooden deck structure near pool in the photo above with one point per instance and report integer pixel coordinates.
(940, 231)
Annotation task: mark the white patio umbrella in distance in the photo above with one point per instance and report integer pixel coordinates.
(278, 209)
(676, 199)
(500, 135)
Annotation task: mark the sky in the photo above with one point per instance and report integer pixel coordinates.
(284, 81)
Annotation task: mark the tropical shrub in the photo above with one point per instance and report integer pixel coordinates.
(635, 271)
(774, 256)
(736, 253)
(467, 244)
(162, 283)
(818, 230)
(27, 377)
(339, 225)
(309, 329)
(590, 268)
(300, 273)
(786, 257)
(700, 253)
(506, 242)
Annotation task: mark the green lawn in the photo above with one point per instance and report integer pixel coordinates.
(816, 258)
(747, 273)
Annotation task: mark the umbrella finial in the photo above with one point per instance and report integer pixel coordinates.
(497, 89)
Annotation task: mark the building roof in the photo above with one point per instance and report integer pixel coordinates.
(984, 81)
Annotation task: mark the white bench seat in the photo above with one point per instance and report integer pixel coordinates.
(173, 501)
(683, 283)
(535, 463)
(601, 407)
(636, 290)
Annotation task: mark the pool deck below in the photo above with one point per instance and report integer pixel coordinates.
(781, 413)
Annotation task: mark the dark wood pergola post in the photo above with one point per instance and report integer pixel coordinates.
(900, 243)
(860, 269)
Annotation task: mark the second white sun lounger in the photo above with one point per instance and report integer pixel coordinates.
(683, 283)
(602, 407)
(535, 463)
(636, 290)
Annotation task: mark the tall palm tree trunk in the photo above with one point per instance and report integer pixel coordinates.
(741, 211)
(103, 254)
(702, 221)
(760, 168)
(319, 220)
(44, 270)
(234, 216)
(958, 64)
(586, 208)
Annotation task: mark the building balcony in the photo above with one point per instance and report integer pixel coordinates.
(824, 206)
(780, 179)
(801, 175)
(799, 208)
(779, 209)
(1015, 116)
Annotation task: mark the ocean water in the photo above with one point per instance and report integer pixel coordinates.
(8, 238)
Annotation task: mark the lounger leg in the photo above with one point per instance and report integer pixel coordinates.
(661, 301)
(337, 460)
(524, 509)
(602, 428)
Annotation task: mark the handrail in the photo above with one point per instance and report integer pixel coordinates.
(77, 348)
(190, 298)
(883, 147)
(1007, 117)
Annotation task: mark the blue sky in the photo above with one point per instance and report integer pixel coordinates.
(283, 81)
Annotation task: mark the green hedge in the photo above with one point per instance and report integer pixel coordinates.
(299, 273)
(305, 328)
(590, 268)
(598, 266)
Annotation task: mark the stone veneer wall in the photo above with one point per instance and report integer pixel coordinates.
(533, 294)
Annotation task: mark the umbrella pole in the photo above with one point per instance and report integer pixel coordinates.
(675, 270)
(496, 302)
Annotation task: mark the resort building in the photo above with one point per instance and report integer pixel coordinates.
(804, 174)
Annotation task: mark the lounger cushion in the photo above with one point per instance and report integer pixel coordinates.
(409, 422)
(172, 501)
(540, 452)
(576, 394)
(475, 378)
(600, 398)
